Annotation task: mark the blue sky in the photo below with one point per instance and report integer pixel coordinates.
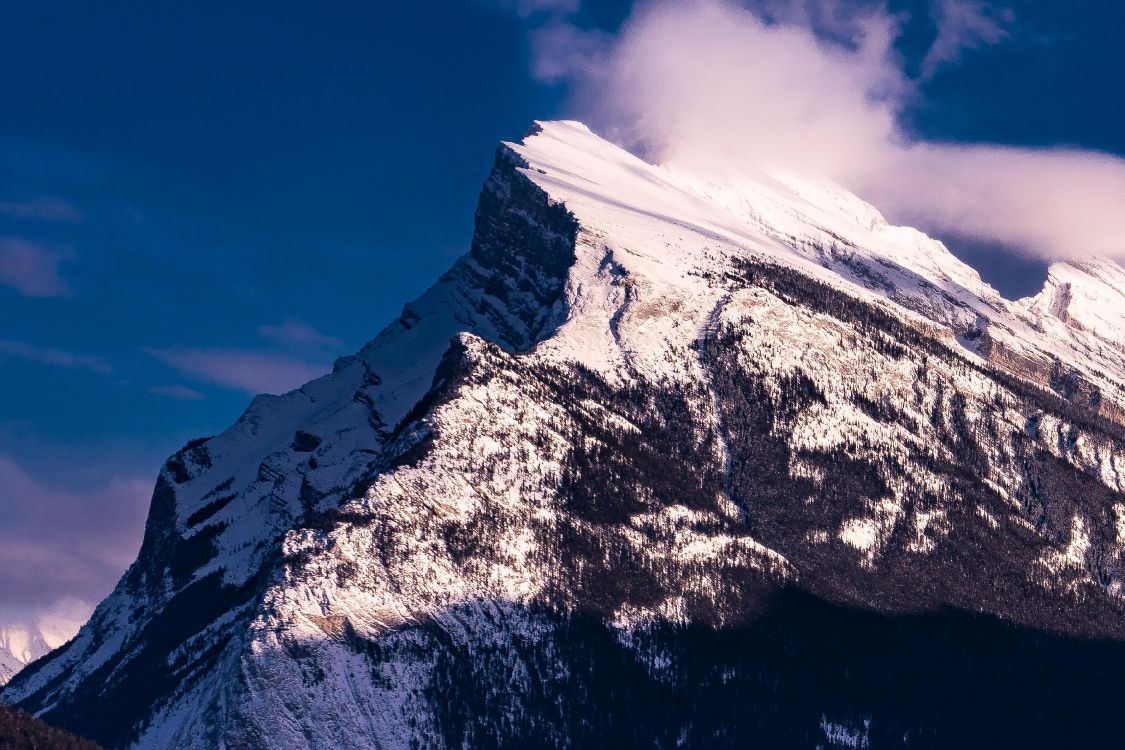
(200, 201)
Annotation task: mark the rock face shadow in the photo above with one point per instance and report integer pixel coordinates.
(806, 674)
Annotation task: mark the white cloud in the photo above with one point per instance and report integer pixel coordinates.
(32, 269)
(60, 621)
(1051, 203)
(710, 85)
(703, 83)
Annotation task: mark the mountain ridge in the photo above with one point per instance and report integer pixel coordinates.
(667, 399)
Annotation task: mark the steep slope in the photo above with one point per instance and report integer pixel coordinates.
(222, 506)
(627, 474)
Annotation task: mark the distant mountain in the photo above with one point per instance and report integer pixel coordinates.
(21, 644)
(17, 650)
(662, 462)
(21, 731)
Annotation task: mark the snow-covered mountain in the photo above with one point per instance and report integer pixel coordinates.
(19, 646)
(24, 642)
(663, 461)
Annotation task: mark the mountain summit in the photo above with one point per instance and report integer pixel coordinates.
(663, 461)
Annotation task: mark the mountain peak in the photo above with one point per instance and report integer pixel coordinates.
(693, 225)
(646, 413)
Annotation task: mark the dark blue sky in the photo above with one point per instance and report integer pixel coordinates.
(232, 168)
(185, 186)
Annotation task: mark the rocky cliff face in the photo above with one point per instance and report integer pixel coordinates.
(661, 462)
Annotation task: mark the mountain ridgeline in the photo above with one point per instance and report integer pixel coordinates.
(664, 462)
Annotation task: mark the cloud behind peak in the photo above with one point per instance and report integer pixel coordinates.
(714, 85)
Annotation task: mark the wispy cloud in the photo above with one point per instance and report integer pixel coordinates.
(41, 209)
(964, 25)
(564, 51)
(178, 392)
(295, 354)
(299, 335)
(527, 8)
(248, 371)
(56, 357)
(60, 621)
(33, 269)
(712, 85)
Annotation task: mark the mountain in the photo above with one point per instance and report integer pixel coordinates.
(18, 647)
(23, 643)
(663, 461)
